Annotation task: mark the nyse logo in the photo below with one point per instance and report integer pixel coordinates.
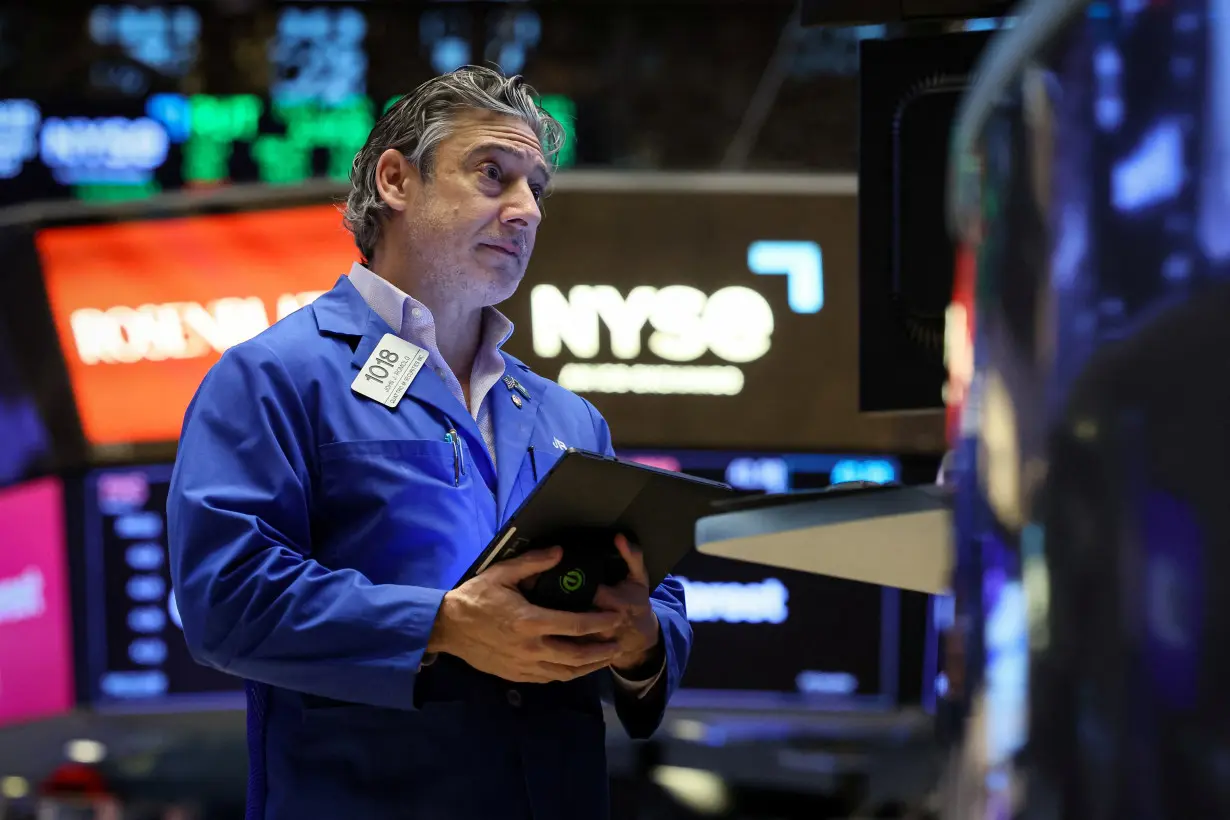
(81, 149)
(802, 263)
(734, 324)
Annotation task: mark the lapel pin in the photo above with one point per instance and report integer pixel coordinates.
(512, 384)
(517, 400)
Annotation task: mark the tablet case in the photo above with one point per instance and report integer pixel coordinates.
(581, 503)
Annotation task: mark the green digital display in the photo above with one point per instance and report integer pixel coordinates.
(215, 125)
(218, 139)
(285, 153)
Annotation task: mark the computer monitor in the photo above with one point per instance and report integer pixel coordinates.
(136, 658)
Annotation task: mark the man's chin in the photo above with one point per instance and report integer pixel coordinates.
(501, 285)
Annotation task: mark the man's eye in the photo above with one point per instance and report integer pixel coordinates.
(491, 172)
(536, 190)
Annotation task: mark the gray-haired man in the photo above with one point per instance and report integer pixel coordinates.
(318, 520)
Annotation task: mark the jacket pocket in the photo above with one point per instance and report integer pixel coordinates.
(400, 511)
(437, 458)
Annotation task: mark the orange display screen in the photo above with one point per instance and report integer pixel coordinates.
(144, 309)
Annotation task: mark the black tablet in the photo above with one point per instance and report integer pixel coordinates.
(590, 492)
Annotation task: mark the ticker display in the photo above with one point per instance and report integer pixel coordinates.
(136, 651)
(306, 121)
(135, 148)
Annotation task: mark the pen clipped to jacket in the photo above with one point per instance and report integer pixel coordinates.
(452, 438)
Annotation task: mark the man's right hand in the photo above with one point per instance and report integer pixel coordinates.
(488, 624)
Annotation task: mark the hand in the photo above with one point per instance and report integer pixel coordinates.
(638, 634)
(488, 624)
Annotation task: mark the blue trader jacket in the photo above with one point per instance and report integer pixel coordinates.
(312, 534)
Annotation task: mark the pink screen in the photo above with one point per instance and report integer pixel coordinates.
(36, 669)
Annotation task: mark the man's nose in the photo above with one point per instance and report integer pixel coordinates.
(521, 207)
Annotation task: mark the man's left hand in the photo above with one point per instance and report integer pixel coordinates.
(638, 635)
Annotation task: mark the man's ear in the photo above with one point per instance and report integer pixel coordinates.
(396, 179)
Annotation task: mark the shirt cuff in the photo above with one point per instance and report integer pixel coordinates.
(639, 688)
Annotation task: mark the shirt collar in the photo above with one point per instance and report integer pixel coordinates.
(394, 305)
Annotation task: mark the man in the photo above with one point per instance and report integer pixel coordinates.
(317, 525)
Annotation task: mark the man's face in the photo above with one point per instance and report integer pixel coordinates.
(471, 225)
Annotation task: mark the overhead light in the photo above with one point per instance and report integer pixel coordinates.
(14, 788)
(85, 751)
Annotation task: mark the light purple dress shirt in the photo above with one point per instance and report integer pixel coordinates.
(412, 321)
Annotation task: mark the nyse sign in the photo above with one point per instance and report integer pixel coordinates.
(672, 326)
(735, 324)
(719, 314)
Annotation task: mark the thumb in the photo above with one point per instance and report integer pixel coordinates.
(516, 570)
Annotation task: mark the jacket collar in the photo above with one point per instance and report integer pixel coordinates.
(341, 311)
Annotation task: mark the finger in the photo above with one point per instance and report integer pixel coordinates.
(516, 570)
(562, 673)
(540, 621)
(609, 599)
(569, 652)
(633, 558)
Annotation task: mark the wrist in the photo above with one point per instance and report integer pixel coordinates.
(439, 640)
(646, 663)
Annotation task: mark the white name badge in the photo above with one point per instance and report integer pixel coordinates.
(388, 372)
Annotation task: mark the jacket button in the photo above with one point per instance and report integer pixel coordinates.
(514, 697)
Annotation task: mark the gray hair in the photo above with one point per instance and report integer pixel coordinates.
(417, 124)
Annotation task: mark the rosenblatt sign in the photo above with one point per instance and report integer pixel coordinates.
(144, 309)
(175, 330)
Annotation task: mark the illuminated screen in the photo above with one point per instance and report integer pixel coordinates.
(773, 472)
(143, 309)
(133, 149)
(761, 630)
(136, 649)
(690, 320)
(707, 320)
(36, 667)
(800, 639)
